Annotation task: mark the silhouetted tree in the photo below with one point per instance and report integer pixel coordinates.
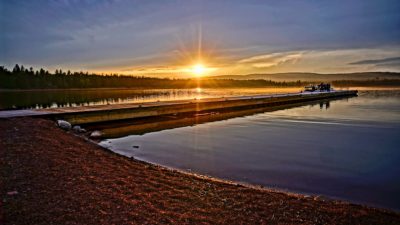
(16, 69)
(21, 78)
(42, 72)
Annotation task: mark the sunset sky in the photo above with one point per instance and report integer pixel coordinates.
(169, 38)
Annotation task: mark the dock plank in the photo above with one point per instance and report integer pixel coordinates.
(100, 113)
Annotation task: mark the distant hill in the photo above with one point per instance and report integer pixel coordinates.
(312, 76)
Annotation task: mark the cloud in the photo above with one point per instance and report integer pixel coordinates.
(240, 37)
(271, 60)
(316, 61)
(391, 61)
(153, 69)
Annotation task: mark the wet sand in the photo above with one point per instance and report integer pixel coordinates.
(49, 176)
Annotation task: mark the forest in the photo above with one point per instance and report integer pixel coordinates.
(23, 78)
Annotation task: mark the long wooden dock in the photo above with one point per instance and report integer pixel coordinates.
(103, 113)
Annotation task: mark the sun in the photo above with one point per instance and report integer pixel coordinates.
(198, 69)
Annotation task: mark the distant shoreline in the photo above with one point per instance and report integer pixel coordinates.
(378, 87)
(22, 78)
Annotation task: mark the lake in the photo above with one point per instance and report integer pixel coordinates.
(343, 148)
(37, 99)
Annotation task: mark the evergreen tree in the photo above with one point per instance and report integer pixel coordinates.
(16, 69)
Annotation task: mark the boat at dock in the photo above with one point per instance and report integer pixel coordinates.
(319, 87)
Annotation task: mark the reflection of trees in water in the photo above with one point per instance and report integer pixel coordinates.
(68, 98)
(48, 99)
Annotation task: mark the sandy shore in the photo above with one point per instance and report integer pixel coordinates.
(49, 176)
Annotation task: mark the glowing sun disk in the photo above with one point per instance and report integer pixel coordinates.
(198, 69)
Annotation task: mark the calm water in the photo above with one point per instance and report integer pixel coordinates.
(70, 98)
(347, 149)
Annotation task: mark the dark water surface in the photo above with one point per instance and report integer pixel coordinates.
(37, 99)
(347, 149)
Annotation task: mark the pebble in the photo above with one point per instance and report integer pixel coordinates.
(96, 134)
(78, 129)
(12, 192)
(64, 124)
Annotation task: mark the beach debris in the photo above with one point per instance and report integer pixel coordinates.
(78, 129)
(204, 114)
(64, 124)
(135, 146)
(96, 134)
(12, 192)
(320, 198)
(103, 212)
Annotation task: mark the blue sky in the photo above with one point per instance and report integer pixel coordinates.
(164, 38)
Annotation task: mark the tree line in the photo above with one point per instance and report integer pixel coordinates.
(28, 78)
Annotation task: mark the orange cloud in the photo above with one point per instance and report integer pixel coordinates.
(271, 60)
